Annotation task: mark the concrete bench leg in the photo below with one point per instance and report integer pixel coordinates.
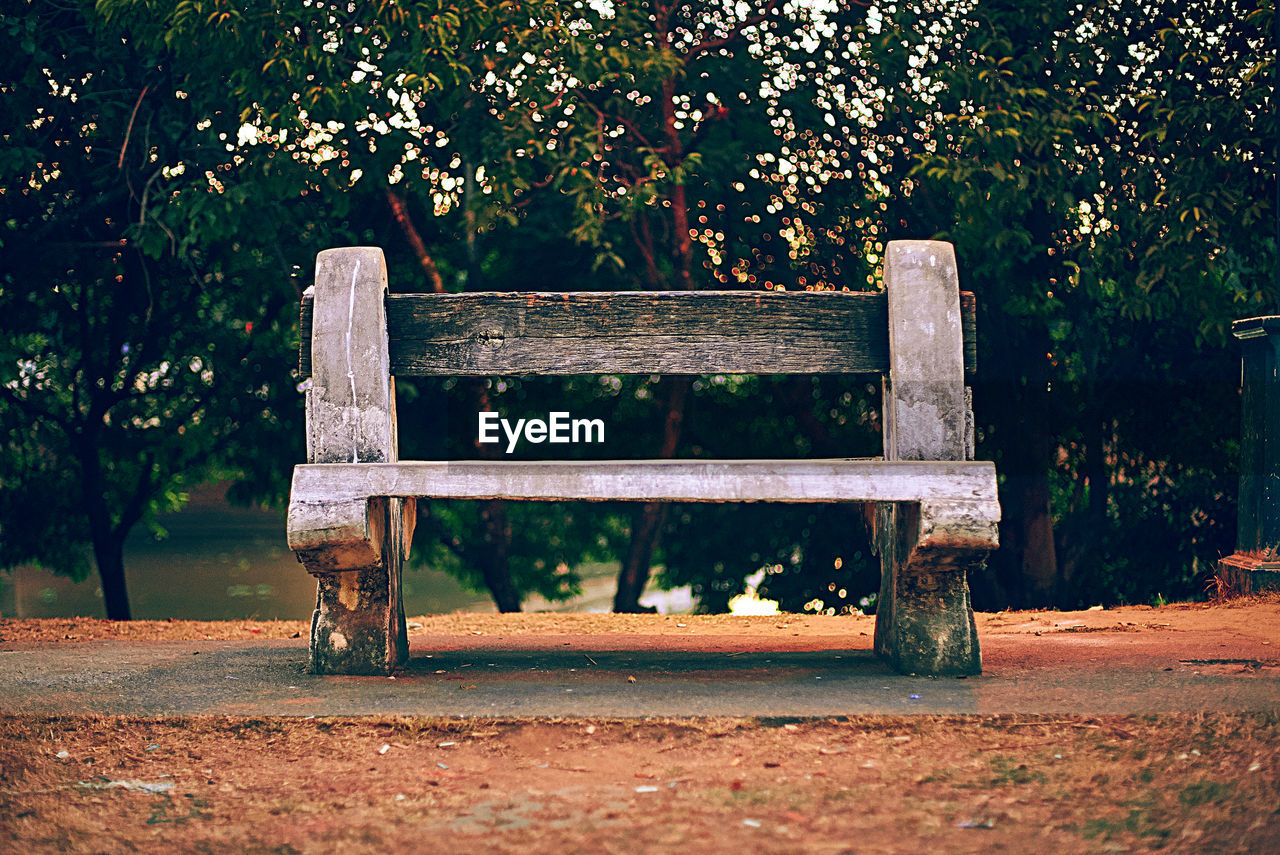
(924, 621)
(355, 549)
(358, 626)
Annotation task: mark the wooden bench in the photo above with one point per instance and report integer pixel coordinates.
(351, 511)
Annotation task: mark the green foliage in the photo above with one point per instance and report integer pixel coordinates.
(545, 544)
(815, 557)
(548, 542)
(426, 97)
(143, 313)
(1105, 170)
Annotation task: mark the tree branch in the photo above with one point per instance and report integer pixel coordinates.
(128, 131)
(716, 44)
(34, 412)
(644, 242)
(133, 509)
(623, 120)
(401, 212)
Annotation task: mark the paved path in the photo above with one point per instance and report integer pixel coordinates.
(577, 675)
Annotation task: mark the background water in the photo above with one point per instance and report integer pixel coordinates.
(221, 562)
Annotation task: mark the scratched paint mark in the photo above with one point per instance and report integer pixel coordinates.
(352, 410)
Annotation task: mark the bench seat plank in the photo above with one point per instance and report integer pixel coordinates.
(851, 480)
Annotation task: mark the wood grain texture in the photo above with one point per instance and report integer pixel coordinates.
(702, 332)
(967, 482)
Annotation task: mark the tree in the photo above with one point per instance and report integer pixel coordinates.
(493, 115)
(141, 340)
(437, 115)
(1102, 168)
(674, 166)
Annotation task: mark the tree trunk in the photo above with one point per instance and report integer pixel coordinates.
(1078, 542)
(1015, 392)
(1023, 572)
(1029, 526)
(646, 524)
(493, 556)
(110, 560)
(494, 563)
(646, 531)
(108, 540)
(400, 210)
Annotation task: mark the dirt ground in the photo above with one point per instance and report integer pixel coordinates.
(875, 784)
(869, 784)
(1246, 613)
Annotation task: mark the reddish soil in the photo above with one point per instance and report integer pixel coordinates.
(953, 784)
(1257, 616)
(870, 784)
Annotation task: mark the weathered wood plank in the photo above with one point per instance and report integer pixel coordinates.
(703, 332)
(969, 327)
(655, 480)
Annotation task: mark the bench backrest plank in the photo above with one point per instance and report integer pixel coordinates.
(635, 332)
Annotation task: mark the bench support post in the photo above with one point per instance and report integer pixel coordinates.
(924, 620)
(1255, 565)
(354, 549)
